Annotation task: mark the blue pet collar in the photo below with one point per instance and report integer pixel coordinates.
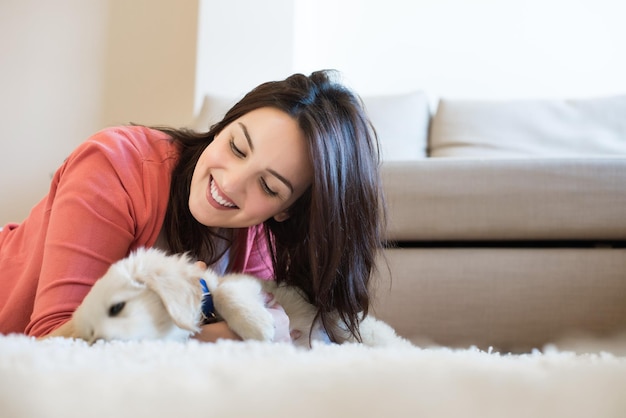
(208, 308)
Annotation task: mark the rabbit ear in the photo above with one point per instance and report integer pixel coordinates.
(176, 280)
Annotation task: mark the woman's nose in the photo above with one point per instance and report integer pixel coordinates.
(236, 179)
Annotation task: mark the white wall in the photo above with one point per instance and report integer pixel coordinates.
(241, 44)
(489, 49)
(467, 48)
(71, 67)
(51, 84)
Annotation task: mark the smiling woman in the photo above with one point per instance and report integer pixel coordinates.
(285, 187)
(243, 178)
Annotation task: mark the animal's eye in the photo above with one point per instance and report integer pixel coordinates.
(115, 309)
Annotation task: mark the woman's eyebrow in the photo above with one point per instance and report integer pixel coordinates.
(281, 178)
(272, 172)
(246, 134)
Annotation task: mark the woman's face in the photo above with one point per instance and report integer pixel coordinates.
(254, 169)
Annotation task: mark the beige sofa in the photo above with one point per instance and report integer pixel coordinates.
(507, 220)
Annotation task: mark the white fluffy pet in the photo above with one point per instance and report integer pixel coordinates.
(151, 295)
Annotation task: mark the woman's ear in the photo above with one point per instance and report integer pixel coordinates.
(282, 216)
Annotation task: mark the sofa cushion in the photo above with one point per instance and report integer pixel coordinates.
(212, 111)
(464, 128)
(450, 199)
(401, 121)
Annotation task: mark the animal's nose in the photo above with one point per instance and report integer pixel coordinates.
(93, 337)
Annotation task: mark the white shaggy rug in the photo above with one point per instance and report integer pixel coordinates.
(67, 378)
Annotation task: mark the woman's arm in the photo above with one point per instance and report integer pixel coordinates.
(208, 333)
(96, 208)
(212, 332)
(66, 330)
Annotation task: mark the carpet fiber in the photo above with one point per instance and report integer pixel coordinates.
(67, 378)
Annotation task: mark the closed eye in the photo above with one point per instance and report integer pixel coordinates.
(116, 308)
(238, 153)
(267, 189)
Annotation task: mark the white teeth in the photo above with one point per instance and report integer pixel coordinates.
(219, 199)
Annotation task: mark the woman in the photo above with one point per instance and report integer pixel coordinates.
(286, 186)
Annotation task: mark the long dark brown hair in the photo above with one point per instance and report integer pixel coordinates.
(329, 244)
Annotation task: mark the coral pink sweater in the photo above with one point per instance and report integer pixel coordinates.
(108, 198)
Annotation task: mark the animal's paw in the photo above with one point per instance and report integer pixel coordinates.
(254, 325)
(241, 302)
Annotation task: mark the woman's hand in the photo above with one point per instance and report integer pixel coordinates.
(210, 333)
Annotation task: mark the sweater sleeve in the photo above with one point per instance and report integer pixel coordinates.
(95, 211)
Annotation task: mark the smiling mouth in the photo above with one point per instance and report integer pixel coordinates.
(217, 197)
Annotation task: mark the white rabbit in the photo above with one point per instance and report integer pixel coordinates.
(144, 296)
(151, 295)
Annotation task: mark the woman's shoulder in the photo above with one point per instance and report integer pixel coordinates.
(138, 143)
(135, 156)
(133, 142)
